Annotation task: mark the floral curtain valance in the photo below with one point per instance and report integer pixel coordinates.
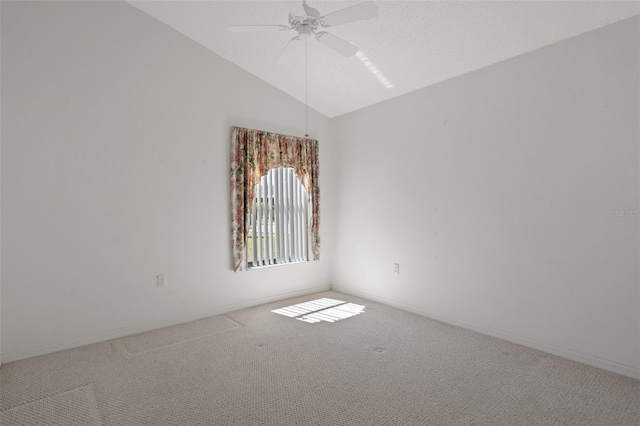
(253, 154)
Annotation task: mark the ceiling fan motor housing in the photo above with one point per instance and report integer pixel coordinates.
(304, 25)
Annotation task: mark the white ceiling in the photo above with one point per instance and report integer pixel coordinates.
(413, 43)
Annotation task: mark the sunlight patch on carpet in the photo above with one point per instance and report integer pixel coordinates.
(325, 309)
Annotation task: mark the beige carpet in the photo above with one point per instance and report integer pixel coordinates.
(152, 340)
(256, 367)
(76, 407)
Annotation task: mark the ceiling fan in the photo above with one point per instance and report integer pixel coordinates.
(307, 26)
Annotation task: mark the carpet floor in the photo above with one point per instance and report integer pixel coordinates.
(255, 367)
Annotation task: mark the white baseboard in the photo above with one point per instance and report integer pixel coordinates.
(141, 328)
(625, 370)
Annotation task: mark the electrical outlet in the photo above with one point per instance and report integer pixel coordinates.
(396, 268)
(161, 280)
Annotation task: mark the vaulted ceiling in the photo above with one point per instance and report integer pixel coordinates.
(412, 43)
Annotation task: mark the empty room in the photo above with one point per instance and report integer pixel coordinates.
(319, 213)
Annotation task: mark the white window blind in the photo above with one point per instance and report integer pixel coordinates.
(279, 220)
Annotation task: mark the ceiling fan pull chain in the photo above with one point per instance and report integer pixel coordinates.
(306, 91)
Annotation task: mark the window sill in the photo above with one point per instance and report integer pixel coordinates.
(251, 268)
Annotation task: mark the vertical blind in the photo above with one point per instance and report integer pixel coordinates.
(279, 220)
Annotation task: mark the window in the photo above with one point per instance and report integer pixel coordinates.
(275, 199)
(279, 219)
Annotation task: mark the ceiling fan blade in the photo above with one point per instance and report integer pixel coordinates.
(341, 46)
(281, 58)
(310, 11)
(359, 12)
(252, 28)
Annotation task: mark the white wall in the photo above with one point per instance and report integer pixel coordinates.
(492, 189)
(115, 168)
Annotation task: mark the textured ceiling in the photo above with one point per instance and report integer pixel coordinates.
(413, 43)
